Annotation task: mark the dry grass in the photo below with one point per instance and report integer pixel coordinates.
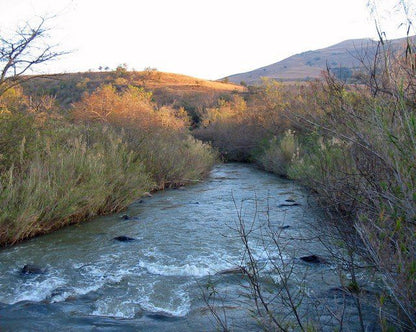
(74, 174)
(54, 172)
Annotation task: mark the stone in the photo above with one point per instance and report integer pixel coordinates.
(284, 227)
(125, 217)
(232, 270)
(29, 269)
(123, 238)
(288, 204)
(161, 316)
(314, 259)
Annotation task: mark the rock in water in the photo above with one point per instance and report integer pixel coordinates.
(31, 269)
(313, 259)
(232, 270)
(288, 204)
(284, 227)
(125, 217)
(123, 238)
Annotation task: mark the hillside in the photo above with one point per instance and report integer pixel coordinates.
(167, 88)
(343, 59)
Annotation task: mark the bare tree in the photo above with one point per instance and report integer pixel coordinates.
(23, 51)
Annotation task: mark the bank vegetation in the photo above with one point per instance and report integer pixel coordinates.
(354, 147)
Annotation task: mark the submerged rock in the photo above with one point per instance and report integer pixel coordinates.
(313, 259)
(288, 204)
(123, 238)
(161, 316)
(125, 217)
(284, 227)
(29, 269)
(232, 270)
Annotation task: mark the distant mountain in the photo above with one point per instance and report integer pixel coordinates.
(343, 59)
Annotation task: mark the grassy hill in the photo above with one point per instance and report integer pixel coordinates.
(343, 59)
(168, 89)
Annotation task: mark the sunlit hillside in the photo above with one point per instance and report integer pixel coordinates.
(166, 87)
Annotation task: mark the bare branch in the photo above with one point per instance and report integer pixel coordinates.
(22, 52)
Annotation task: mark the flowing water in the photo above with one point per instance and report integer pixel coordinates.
(184, 240)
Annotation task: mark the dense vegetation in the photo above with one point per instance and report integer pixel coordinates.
(354, 146)
(60, 167)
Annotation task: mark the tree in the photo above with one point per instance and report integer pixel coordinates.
(22, 51)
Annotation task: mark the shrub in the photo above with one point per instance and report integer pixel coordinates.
(75, 173)
(280, 153)
(158, 135)
(54, 172)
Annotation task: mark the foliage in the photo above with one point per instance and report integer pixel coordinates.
(363, 167)
(159, 135)
(55, 172)
(280, 153)
(67, 176)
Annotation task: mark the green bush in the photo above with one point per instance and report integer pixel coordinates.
(280, 154)
(73, 175)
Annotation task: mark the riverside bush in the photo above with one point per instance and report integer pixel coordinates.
(73, 175)
(55, 172)
(365, 169)
(159, 135)
(279, 154)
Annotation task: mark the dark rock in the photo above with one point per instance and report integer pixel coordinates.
(125, 217)
(289, 200)
(291, 204)
(161, 316)
(284, 227)
(30, 269)
(194, 203)
(141, 201)
(232, 270)
(123, 238)
(313, 259)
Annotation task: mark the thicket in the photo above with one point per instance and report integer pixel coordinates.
(354, 146)
(57, 170)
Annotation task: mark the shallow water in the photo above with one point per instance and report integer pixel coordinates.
(184, 238)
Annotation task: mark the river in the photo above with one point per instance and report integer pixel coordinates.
(184, 240)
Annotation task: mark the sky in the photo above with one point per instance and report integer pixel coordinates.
(205, 39)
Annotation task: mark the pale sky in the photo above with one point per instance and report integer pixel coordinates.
(205, 39)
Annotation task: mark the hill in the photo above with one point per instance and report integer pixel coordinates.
(167, 88)
(343, 59)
